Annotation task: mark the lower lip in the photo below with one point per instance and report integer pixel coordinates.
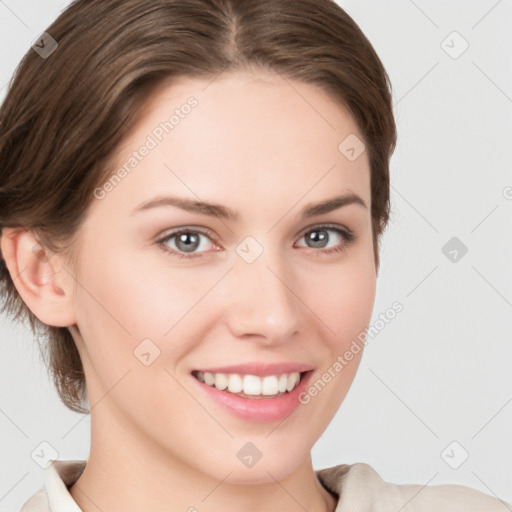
(258, 409)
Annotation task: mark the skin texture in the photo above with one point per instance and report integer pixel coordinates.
(264, 147)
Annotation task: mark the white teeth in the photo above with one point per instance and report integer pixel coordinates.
(221, 381)
(293, 380)
(283, 381)
(269, 385)
(235, 384)
(251, 384)
(209, 378)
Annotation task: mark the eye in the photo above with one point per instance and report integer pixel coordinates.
(319, 238)
(184, 242)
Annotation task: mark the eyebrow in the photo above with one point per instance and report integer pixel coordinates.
(223, 212)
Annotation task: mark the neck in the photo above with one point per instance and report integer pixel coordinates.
(126, 472)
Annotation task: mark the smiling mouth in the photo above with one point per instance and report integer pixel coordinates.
(251, 386)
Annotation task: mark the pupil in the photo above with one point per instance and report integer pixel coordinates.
(317, 238)
(188, 247)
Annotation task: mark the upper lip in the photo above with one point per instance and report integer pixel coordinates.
(259, 369)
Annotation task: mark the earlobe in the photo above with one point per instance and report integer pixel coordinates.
(42, 282)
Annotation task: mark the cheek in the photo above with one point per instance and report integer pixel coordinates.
(125, 300)
(342, 302)
(353, 301)
(132, 319)
(346, 311)
(342, 298)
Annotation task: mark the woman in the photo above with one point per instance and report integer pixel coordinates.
(193, 195)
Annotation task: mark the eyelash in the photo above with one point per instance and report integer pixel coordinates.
(348, 235)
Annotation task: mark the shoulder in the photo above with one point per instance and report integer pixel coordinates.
(361, 488)
(59, 475)
(37, 503)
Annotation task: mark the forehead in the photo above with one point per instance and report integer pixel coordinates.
(243, 133)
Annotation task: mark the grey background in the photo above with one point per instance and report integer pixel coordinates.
(440, 372)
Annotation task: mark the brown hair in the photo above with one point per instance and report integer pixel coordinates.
(66, 113)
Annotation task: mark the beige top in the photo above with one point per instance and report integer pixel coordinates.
(358, 486)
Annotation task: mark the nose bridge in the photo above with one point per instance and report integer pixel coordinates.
(262, 301)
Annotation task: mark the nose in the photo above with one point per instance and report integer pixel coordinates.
(262, 301)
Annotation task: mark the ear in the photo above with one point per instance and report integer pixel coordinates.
(40, 277)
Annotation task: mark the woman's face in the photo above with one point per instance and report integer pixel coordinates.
(270, 285)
